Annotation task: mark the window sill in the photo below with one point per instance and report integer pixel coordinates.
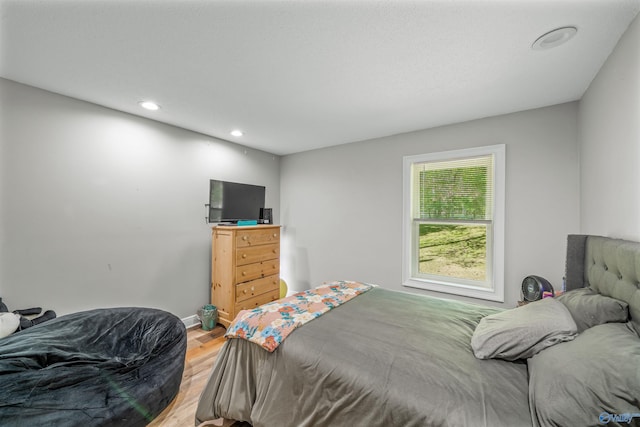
(456, 289)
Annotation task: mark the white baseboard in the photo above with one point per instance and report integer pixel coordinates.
(191, 321)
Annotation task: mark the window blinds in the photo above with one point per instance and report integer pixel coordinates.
(454, 190)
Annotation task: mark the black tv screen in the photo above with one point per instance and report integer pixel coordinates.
(233, 202)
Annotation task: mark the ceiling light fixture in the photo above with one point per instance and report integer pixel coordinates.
(237, 132)
(554, 38)
(149, 105)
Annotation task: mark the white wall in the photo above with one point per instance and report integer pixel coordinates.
(102, 208)
(342, 206)
(610, 144)
(2, 180)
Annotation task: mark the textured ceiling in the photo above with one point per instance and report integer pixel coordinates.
(298, 75)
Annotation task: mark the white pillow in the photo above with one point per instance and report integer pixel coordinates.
(9, 322)
(522, 332)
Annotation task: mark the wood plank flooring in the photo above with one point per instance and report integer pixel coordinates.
(202, 350)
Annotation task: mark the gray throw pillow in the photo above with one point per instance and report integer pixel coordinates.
(524, 331)
(593, 380)
(588, 308)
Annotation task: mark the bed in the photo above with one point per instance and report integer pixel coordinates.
(388, 358)
(102, 367)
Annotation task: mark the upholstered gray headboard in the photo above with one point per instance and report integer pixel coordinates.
(609, 266)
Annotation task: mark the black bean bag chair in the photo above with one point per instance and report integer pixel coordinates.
(105, 367)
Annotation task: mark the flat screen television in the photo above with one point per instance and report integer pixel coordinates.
(233, 202)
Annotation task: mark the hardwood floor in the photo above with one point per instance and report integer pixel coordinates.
(202, 349)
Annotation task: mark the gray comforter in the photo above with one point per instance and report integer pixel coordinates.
(384, 358)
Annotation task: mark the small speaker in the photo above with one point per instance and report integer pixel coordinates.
(265, 216)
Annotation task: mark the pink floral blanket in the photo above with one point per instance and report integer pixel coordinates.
(269, 324)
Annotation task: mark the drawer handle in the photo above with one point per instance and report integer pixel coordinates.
(244, 237)
(244, 273)
(252, 289)
(244, 291)
(244, 255)
(275, 235)
(275, 252)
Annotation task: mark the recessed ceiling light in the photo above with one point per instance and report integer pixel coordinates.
(149, 105)
(237, 132)
(554, 38)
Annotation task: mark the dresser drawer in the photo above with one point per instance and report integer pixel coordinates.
(254, 302)
(257, 270)
(251, 254)
(247, 290)
(257, 237)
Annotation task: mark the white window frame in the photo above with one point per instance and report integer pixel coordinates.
(495, 289)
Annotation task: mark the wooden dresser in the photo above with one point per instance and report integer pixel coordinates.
(245, 268)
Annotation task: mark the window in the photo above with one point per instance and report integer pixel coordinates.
(454, 222)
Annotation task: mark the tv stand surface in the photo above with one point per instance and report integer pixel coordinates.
(244, 227)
